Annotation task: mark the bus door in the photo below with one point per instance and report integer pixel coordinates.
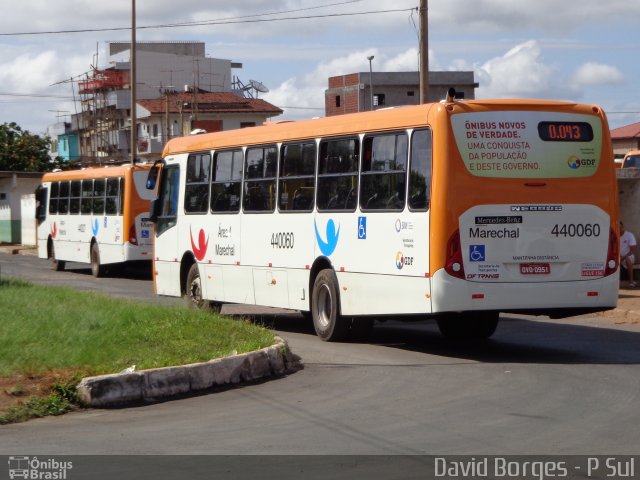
(165, 215)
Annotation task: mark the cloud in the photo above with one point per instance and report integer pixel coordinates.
(598, 74)
(522, 72)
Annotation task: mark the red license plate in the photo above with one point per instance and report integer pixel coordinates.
(535, 268)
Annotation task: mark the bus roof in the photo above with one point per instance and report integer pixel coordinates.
(383, 119)
(94, 172)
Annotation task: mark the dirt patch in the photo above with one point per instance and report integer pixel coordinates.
(16, 389)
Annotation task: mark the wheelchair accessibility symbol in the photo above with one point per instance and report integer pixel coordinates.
(476, 253)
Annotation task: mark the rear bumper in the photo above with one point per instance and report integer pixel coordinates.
(556, 299)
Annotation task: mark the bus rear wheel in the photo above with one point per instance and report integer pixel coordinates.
(58, 265)
(97, 270)
(469, 325)
(329, 325)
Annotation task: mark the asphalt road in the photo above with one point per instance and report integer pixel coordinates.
(538, 387)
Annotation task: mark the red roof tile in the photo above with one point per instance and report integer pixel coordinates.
(222, 102)
(628, 131)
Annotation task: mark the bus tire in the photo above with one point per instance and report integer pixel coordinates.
(193, 290)
(469, 326)
(58, 265)
(329, 325)
(97, 270)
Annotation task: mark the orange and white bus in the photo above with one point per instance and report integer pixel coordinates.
(97, 215)
(456, 210)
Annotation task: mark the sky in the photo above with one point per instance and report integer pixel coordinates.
(577, 50)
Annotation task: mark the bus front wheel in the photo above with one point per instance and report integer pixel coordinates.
(329, 325)
(469, 325)
(97, 270)
(193, 289)
(58, 265)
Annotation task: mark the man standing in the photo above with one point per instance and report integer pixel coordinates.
(627, 252)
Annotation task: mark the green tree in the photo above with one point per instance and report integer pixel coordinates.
(20, 151)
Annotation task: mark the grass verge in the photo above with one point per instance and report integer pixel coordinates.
(57, 335)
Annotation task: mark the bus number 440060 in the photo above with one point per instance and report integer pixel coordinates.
(576, 230)
(282, 240)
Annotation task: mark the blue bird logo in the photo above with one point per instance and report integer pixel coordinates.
(95, 226)
(327, 247)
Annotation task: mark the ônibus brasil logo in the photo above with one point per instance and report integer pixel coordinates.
(199, 250)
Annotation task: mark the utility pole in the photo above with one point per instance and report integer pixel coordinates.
(424, 53)
(132, 84)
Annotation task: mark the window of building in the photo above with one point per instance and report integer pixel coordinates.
(337, 100)
(338, 174)
(384, 172)
(297, 177)
(260, 179)
(226, 183)
(420, 170)
(196, 191)
(155, 130)
(410, 93)
(379, 100)
(247, 124)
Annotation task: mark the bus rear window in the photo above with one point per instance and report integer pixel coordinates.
(527, 144)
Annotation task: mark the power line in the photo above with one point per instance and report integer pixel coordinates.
(208, 23)
(36, 95)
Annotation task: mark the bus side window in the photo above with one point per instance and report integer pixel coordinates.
(196, 191)
(297, 177)
(384, 172)
(226, 181)
(169, 188)
(420, 170)
(41, 203)
(74, 200)
(53, 200)
(63, 200)
(260, 179)
(98, 196)
(338, 175)
(111, 199)
(87, 197)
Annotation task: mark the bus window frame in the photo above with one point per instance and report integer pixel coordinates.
(228, 182)
(204, 201)
(313, 176)
(354, 192)
(371, 173)
(410, 166)
(247, 180)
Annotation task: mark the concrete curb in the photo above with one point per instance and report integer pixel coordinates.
(622, 316)
(161, 383)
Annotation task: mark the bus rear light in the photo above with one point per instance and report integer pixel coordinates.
(613, 254)
(454, 266)
(133, 239)
(477, 296)
(592, 294)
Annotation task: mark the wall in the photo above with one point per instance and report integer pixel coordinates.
(28, 214)
(11, 207)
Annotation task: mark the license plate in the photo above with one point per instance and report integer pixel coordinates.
(535, 268)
